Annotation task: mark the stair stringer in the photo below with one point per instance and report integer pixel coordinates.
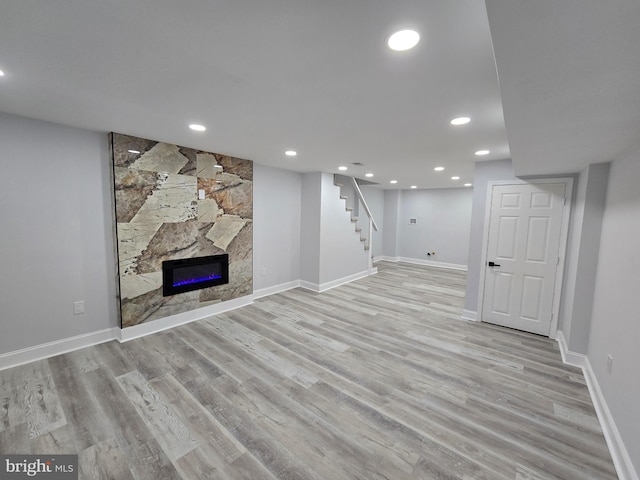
(351, 205)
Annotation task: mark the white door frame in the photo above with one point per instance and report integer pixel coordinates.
(564, 234)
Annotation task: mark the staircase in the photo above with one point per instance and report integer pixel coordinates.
(354, 203)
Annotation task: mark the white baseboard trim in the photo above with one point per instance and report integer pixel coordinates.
(323, 287)
(383, 258)
(619, 453)
(314, 287)
(283, 287)
(470, 315)
(569, 357)
(155, 326)
(58, 347)
(420, 261)
(432, 263)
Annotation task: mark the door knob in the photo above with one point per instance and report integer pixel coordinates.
(492, 264)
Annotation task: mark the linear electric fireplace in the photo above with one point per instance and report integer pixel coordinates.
(179, 276)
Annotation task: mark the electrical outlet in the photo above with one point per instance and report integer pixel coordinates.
(609, 363)
(78, 308)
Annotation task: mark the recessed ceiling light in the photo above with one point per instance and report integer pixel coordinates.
(291, 153)
(414, 186)
(460, 121)
(480, 153)
(342, 168)
(393, 181)
(467, 184)
(1, 73)
(403, 40)
(439, 169)
(133, 151)
(197, 127)
(368, 174)
(455, 178)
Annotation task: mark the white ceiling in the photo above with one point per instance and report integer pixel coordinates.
(570, 80)
(317, 77)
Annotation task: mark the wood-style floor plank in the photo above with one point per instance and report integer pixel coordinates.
(376, 379)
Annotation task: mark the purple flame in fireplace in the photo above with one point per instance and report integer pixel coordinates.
(185, 275)
(189, 281)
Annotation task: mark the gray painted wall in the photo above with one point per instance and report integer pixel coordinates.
(56, 235)
(572, 259)
(442, 225)
(302, 230)
(484, 173)
(443, 219)
(276, 226)
(582, 256)
(310, 210)
(330, 248)
(390, 232)
(615, 323)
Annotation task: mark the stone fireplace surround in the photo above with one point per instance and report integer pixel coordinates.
(188, 274)
(175, 203)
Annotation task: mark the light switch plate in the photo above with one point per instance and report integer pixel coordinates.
(78, 308)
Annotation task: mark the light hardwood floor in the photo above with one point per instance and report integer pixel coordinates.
(377, 379)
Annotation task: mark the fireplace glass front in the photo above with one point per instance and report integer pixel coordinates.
(179, 276)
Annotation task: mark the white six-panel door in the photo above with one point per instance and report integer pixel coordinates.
(523, 255)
